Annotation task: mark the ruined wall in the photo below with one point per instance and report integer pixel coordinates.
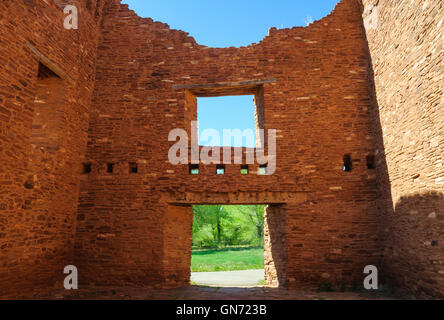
(43, 131)
(406, 48)
(319, 103)
(177, 251)
(315, 87)
(274, 246)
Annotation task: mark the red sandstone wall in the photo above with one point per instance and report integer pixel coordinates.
(407, 55)
(319, 104)
(274, 246)
(177, 251)
(38, 175)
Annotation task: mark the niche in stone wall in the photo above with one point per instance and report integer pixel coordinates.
(48, 111)
(49, 100)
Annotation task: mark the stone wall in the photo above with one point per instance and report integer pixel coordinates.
(85, 117)
(177, 250)
(406, 48)
(315, 88)
(274, 246)
(43, 129)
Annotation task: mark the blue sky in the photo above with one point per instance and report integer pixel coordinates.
(226, 23)
(234, 112)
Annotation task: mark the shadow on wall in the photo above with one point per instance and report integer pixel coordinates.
(414, 245)
(384, 202)
(412, 230)
(411, 233)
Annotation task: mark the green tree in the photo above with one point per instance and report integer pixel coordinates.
(231, 225)
(249, 220)
(208, 216)
(256, 215)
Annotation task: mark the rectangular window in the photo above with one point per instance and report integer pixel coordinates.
(348, 166)
(194, 169)
(263, 169)
(233, 114)
(110, 167)
(220, 169)
(244, 170)
(371, 162)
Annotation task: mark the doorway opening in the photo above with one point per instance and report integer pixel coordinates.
(187, 253)
(228, 245)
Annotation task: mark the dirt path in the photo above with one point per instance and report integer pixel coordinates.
(244, 278)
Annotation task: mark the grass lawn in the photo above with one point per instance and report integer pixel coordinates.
(227, 259)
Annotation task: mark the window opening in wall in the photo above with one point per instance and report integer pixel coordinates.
(227, 113)
(347, 163)
(220, 169)
(244, 170)
(194, 169)
(262, 169)
(371, 162)
(110, 167)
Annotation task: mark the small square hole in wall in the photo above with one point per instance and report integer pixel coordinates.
(110, 167)
(371, 162)
(244, 170)
(262, 169)
(133, 167)
(194, 169)
(347, 163)
(220, 169)
(86, 168)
